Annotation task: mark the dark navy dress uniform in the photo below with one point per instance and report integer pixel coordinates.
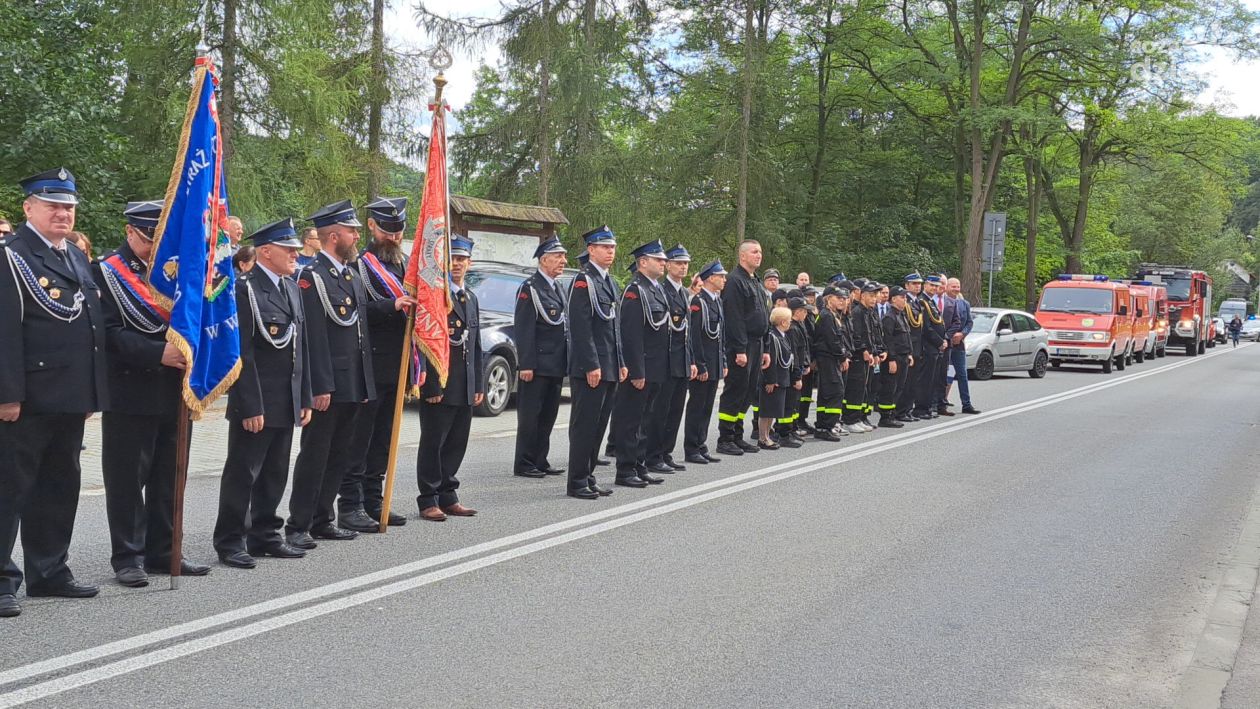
(540, 328)
(863, 329)
(445, 426)
(363, 487)
(933, 336)
(138, 430)
(915, 320)
(708, 347)
(274, 383)
(53, 350)
(747, 322)
(341, 365)
(662, 427)
(831, 348)
(593, 344)
(644, 327)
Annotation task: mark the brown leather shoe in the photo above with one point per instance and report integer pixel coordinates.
(432, 514)
(458, 510)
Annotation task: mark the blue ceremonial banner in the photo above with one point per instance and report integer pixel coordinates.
(190, 271)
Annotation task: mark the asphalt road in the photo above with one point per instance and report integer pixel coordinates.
(1061, 550)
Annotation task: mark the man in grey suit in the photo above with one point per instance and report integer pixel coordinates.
(957, 346)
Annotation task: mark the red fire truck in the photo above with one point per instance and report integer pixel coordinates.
(1189, 304)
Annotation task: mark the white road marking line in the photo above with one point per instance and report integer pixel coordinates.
(629, 513)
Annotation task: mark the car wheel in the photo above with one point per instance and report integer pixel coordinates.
(1039, 366)
(984, 366)
(1106, 364)
(1139, 356)
(1128, 356)
(499, 377)
(1192, 348)
(1202, 347)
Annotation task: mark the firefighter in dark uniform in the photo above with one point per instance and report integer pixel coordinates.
(807, 381)
(540, 327)
(900, 349)
(708, 348)
(747, 322)
(340, 357)
(138, 431)
(381, 266)
(934, 344)
(271, 397)
(662, 428)
(446, 411)
(831, 349)
(789, 433)
(866, 354)
(914, 318)
(644, 327)
(595, 365)
(53, 350)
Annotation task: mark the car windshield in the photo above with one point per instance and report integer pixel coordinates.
(1230, 308)
(982, 322)
(496, 292)
(1178, 288)
(1076, 300)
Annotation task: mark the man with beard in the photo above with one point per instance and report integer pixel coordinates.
(541, 345)
(138, 431)
(381, 267)
(52, 346)
(595, 366)
(710, 356)
(747, 321)
(271, 396)
(662, 431)
(446, 411)
(341, 376)
(644, 326)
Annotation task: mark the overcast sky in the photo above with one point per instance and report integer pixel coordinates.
(1232, 84)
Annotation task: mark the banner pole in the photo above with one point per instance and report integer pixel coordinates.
(396, 429)
(183, 432)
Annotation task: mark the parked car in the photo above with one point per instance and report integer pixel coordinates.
(1004, 340)
(496, 284)
(1219, 332)
(1250, 330)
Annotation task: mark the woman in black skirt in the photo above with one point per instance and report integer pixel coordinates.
(781, 376)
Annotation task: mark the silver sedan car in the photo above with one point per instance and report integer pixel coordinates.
(1004, 340)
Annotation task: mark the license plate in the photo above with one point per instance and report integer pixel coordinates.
(1067, 351)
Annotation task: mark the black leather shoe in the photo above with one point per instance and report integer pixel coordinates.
(602, 461)
(9, 606)
(650, 480)
(698, 459)
(823, 435)
(601, 490)
(186, 568)
(710, 458)
(358, 521)
(662, 468)
(631, 482)
(328, 531)
(584, 493)
(279, 550)
(238, 560)
(65, 589)
(132, 577)
(729, 448)
(670, 462)
(970, 410)
(746, 446)
(790, 442)
(890, 423)
(535, 473)
(300, 540)
(548, 470)
(395, 519)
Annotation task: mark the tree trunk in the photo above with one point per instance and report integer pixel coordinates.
(1076, 240)
(1032, 185)
(376, 102)
(745, 123)
(544, 89)
(823, 118)
(227, 82)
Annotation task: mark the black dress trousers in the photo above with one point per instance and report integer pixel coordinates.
(537, 404)
(588, 421)
(254, 476)
(628, 435)
(444, 432)
(666, 418)
(322, 463)
(699, 413)
(138, 463)
(364, 484)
